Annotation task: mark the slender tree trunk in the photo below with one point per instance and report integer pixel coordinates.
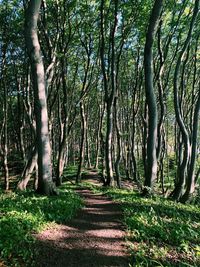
(110, 90)
(82, 148)
(35, 185)
(190, 183)
(4, 132)
(28, 170)
(119, 149)
(32, 157)
(151, 98)
(63, 130)
(144, 138)
(100, 119)
(108, 145)
(178, 191)
(5, 143)
(20, 120)
(45, 182)
(102, 146)
(87, 142)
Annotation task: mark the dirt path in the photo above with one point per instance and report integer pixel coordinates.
(95, 238)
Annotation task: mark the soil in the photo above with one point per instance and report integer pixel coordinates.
(94, 238)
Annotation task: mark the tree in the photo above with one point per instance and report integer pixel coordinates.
(45, 182)
(182, 170)
(151, 170)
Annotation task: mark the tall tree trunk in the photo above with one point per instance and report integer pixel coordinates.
(4, 131)
(178, 191)
(45, 182)
(150, 97)
(21, 120)
(63, 129)
(32, 156)
(190, 183)
(108, 145)
(82, 148)
(87, 140)
(100, 120)
(119, 148)
(5, 143)
(110, 90)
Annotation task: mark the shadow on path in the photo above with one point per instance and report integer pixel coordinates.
(94, 238)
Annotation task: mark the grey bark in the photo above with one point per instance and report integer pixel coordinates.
(151, 171)
(178, 191)
(191, 181)
(45, 182)
(83, 139)
(28, 169)
(110, 90)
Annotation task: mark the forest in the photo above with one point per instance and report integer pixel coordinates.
(100, 98)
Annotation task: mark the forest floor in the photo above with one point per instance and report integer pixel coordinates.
(95, 237)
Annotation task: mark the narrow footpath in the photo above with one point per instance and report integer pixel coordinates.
(94, 238)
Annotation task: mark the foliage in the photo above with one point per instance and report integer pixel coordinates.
(160, 232)
(23, 214)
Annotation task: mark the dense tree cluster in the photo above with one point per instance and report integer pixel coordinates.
(110, 84)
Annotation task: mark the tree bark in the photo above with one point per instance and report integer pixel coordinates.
(110, 90)
(190, 183)
(82, 147)
(63, 129)
(45, 182)
(151, 171)
(28, 170)
(119, 148)
(178, 191)
(5, 143)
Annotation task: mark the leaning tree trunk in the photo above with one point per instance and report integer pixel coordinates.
(151, 170)
(45, 182)
(28, 169)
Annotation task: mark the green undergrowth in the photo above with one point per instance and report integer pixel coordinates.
(23, 214)
(160, 232)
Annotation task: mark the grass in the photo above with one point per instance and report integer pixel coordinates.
(23, 214)
(160, 232)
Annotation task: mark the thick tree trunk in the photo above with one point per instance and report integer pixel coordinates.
(151, 171)
(45, 182)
